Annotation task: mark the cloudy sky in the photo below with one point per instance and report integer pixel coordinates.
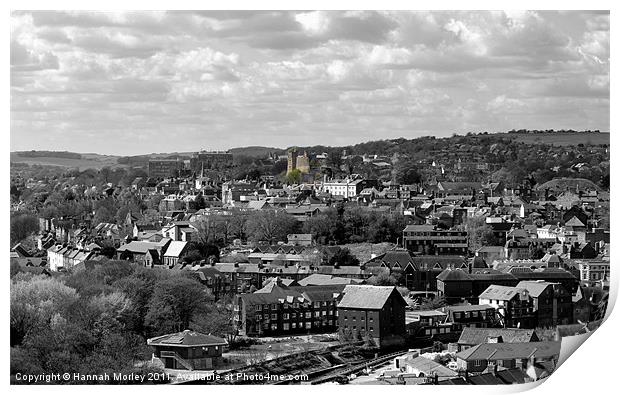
(141, 82)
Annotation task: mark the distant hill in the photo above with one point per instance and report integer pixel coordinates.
(561, 138)
(64, 159)
(565, 183)
(256, 151)
(387, 147)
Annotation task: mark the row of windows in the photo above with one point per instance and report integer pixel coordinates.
(296, 305)
(472, 314)
(286, 316)
(586, 267)
(361, 319)
(434, 331)
(370, 328)
(295, 325)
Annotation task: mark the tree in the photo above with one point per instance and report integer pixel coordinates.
(294, 176)
(175, 303)
(323, 227)
(406, 173)
(192, 257)
(270, 225)
(479, 233)
(33, 303)
(217, 321)
(104, 214)
(386, 227)
(334, 158)
(343, 257)
(384, 279)
(22, 226)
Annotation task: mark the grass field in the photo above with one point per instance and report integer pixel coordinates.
(88, 161)
(562, 139)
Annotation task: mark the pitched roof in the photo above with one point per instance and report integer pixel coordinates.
(453, 275)
(138, 247)
(187, 338)
(326, 279)
(490, 274)
(574, 221)
(439, 261)
(429, 367)
(419, 228)
(485, 379)
(367, 297)
(500, 292)
(175, 248)
(513, 376)
(400, 257)
(508, 335)
(510, 351)
(469, 307)
(535, 288)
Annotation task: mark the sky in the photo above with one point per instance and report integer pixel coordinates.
(127, 83)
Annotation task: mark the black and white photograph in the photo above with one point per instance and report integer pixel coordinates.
(306, 197)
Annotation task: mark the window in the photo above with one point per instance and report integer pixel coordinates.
(274, 327)
(285, 327)
(308, 314)
(308, 325)
(285, 316)
(274, 316)
(371, 329)
(477, 362)
(294, 325)
(259, 307)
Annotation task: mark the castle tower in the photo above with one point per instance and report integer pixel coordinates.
(303, 163)
(292, 160)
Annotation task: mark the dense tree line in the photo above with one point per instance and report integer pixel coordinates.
(270, 226)
(340, 225)
(22, 225)
(99, 320)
